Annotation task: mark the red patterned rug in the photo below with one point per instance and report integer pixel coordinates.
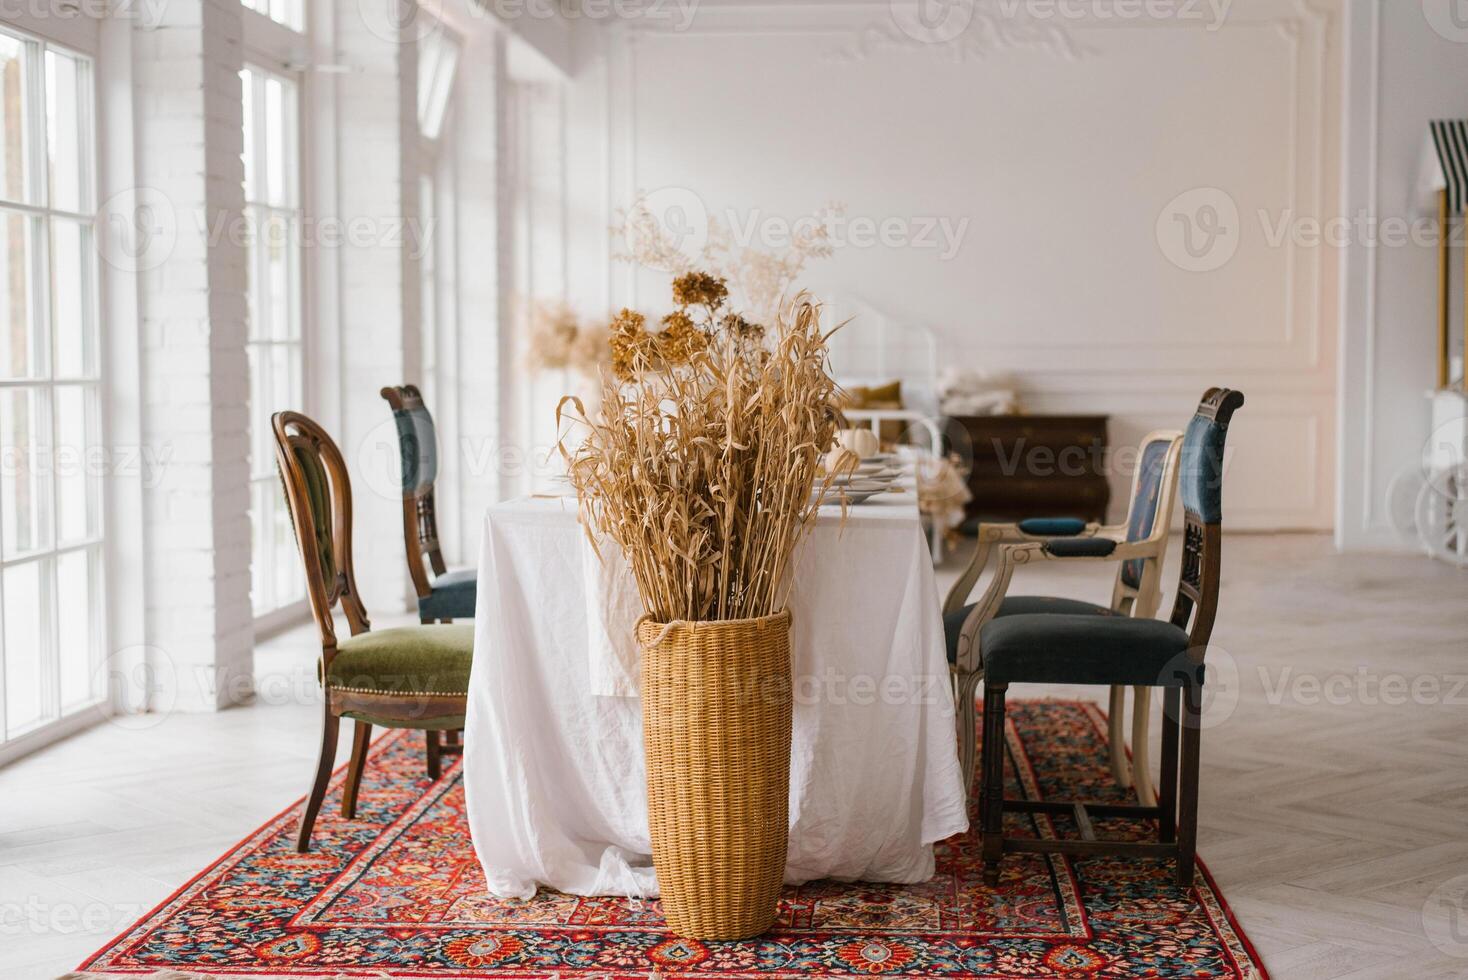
(397, 892)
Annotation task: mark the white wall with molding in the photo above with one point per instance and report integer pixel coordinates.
(1406, 66)
(1038, 176)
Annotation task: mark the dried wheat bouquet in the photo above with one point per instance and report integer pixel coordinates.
(702, 466)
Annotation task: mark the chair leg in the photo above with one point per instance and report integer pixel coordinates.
(1121, 766)
(1141, 746)
(1167, 787)
(451, 738)
(992, 788)
(435, 760)
(361, 739)
(968, 728)
(1187, 836)
(330, 725)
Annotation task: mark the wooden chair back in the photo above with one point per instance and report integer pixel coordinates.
(1138, 589)
(318, 492)
(1201, 482)
(418, 450)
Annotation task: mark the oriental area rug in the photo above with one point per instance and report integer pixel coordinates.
(398, 893)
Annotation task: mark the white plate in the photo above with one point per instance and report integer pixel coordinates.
(877, 476)
(854, 493)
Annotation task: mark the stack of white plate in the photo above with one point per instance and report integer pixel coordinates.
(874, 475)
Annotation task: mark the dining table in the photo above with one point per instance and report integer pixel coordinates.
(553, 768)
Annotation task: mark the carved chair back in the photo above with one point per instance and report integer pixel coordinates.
(1201, 481)
(318, 492)
(418, 450)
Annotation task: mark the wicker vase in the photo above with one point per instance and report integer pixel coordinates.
(716, 712)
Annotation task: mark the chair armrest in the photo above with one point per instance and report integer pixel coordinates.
(990, 535)
(1054, 527)
(1097, 550)
(1080, 547)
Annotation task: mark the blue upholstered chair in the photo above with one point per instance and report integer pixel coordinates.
(448, 595)
(1118, 651)
(1136, 546)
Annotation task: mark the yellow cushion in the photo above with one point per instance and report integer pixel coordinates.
(878, 397)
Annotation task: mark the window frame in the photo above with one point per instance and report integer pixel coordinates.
(270, 617)
(79, 40)
(274, 48)
(440, 247)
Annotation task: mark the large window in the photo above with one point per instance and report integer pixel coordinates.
(50, 416)
(273, 211)
(291, 13)
(438, 61)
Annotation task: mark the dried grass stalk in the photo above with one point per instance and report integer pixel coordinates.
(705, 473)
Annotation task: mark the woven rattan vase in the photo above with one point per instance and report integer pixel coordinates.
(716, 712)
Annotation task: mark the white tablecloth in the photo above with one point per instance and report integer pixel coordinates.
(553, 764)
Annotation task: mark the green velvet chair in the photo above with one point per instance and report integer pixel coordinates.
(1119, 651)
(446, 596)
(408, 677)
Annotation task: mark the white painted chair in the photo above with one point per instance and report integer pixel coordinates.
(873, 349)
(1139, 545)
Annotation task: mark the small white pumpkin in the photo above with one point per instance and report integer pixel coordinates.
(840, 460)
(861, 441)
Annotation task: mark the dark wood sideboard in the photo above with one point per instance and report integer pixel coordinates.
(1034, 465)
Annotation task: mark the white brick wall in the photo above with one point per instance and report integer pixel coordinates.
(380, 305)
(479, 142)
(193, 310)
(197, 534)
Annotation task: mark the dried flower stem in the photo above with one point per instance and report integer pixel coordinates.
(703, 472)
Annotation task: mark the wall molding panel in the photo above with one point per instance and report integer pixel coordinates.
(1054, 145)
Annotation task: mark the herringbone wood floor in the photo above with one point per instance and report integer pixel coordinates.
(1332, 807)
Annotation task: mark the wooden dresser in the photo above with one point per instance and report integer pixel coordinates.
(1034, 465)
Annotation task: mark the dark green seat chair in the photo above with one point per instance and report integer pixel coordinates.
(1135, 548)
(1121, 651)
(446, 596)
(410, 677)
